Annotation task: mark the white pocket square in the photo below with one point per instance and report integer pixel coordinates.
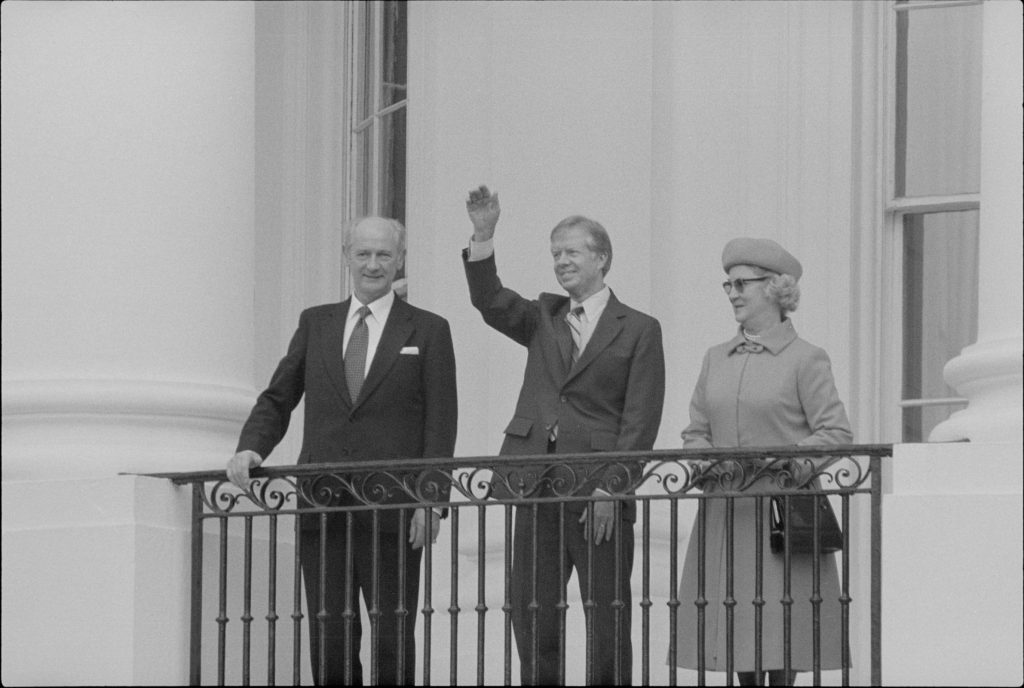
(414, 350)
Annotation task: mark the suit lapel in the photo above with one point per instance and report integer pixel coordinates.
(607, 329)
(332, 346)
(397, 331)
(559, 356)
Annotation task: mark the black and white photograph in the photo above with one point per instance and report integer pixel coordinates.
(512, 342)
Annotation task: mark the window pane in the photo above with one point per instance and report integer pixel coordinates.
(394, 57)
(938, 101)
(367, 48)
(940, 297)
(392, 181)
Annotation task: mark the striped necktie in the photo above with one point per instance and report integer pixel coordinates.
(355, 355)
(575, 320)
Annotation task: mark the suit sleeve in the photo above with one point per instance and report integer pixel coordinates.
(825, 413)
(645, 392)
(645, 397)
(502, 308)
(439, 384)
(268, 421)
(441, 413)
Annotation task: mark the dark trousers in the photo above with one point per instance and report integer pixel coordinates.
(338, 644)
(548, 592)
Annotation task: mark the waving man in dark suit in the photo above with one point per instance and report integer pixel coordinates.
(379, 379)
(594, 382)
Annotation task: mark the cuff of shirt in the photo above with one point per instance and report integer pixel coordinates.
(479, 250)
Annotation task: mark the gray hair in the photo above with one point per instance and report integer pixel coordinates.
(397, 227)
(597, 237)
(782, 289)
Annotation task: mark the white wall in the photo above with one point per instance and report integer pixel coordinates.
(549, 105)
(631, 113)
(752, 118)
(951, 578)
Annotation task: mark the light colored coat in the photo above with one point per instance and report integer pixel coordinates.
(783, 395)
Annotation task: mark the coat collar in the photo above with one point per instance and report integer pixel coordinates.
(774, 340)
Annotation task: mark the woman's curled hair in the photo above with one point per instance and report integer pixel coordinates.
(783, 290)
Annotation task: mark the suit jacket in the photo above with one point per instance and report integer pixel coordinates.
(610, 400)
(407, 407)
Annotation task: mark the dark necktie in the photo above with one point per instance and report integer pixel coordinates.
(575, 320)
(749, 348)
(355, 355)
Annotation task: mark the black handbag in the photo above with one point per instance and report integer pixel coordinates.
(801, 526)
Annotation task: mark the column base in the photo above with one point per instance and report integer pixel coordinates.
(990, 375)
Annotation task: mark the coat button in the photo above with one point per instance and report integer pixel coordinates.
(563, 399)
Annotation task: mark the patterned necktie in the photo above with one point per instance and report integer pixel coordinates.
(749, 348)
(575, 320)
(355, 355)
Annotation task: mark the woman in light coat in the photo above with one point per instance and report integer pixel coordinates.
(764, 387)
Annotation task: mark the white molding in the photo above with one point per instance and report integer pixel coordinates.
(867, 228)
(112, 397)
(935, 204)
(88, 428)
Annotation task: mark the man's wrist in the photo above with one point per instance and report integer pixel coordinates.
(479, 250)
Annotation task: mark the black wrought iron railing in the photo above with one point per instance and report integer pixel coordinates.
(731, 490)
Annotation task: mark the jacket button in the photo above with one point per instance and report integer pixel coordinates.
(563, 399)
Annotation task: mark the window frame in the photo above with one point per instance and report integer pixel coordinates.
(359, 13)
(895, 209)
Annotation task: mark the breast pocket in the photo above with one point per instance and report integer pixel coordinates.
(408, 367)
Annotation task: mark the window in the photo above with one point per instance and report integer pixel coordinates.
(377, 111)
(933, 200)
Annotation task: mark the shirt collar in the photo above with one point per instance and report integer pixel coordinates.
(379, 309)
(594, 304)
(774, 340)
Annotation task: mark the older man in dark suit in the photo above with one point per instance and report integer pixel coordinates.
(594, 382)
(379, 379)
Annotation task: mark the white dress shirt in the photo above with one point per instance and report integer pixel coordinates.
(593, 307)
(375, 321)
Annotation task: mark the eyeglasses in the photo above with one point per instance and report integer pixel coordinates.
(739, 284)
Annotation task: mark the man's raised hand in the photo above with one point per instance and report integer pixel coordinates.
(483, 210)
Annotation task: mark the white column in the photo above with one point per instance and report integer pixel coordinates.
(989, 372)
(128, 286)
(127, 236)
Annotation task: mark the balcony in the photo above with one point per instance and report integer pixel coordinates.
(249, 620)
